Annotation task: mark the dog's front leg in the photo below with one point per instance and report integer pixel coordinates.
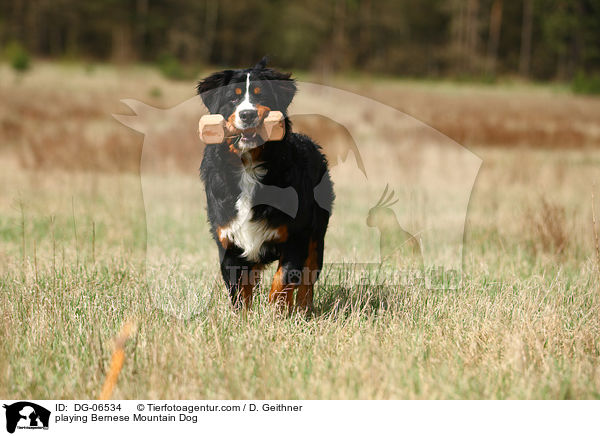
(249, 279)
(282, 292)
(310, 273)
(240, 277)
(289, 272)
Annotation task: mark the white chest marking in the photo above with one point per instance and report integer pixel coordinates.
(246, 234)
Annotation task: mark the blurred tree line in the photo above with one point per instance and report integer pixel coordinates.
(541, 39)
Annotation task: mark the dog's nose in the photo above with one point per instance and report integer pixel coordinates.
(248, 116)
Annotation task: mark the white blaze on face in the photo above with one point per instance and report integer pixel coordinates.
(244, 105)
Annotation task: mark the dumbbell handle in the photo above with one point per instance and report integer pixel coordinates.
(213, 128)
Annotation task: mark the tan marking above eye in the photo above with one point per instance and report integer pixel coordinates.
(238, 91)
(257, 90)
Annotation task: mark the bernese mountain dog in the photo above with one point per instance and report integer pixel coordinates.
(266, 201)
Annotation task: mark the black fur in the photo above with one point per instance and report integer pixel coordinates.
(295, 161)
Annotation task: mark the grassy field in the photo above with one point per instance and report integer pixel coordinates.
(524, 324)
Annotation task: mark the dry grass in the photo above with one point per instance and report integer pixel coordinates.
(509, 116)
(68, 126)
(524, 324)
(547, 224)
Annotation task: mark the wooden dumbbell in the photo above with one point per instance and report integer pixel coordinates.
(213, 128)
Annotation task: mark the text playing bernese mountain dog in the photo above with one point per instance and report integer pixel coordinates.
(266, 201)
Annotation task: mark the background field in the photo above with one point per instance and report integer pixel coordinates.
(525, 323)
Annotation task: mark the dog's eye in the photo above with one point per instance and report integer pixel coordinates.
(257, 90)
(238, 91)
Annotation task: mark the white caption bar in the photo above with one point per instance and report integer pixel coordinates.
(297, 417)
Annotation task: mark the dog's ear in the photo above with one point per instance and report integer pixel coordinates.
(211, 89)
(260, 65)
(284, 87)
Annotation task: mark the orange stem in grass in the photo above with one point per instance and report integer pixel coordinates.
(116, 362)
